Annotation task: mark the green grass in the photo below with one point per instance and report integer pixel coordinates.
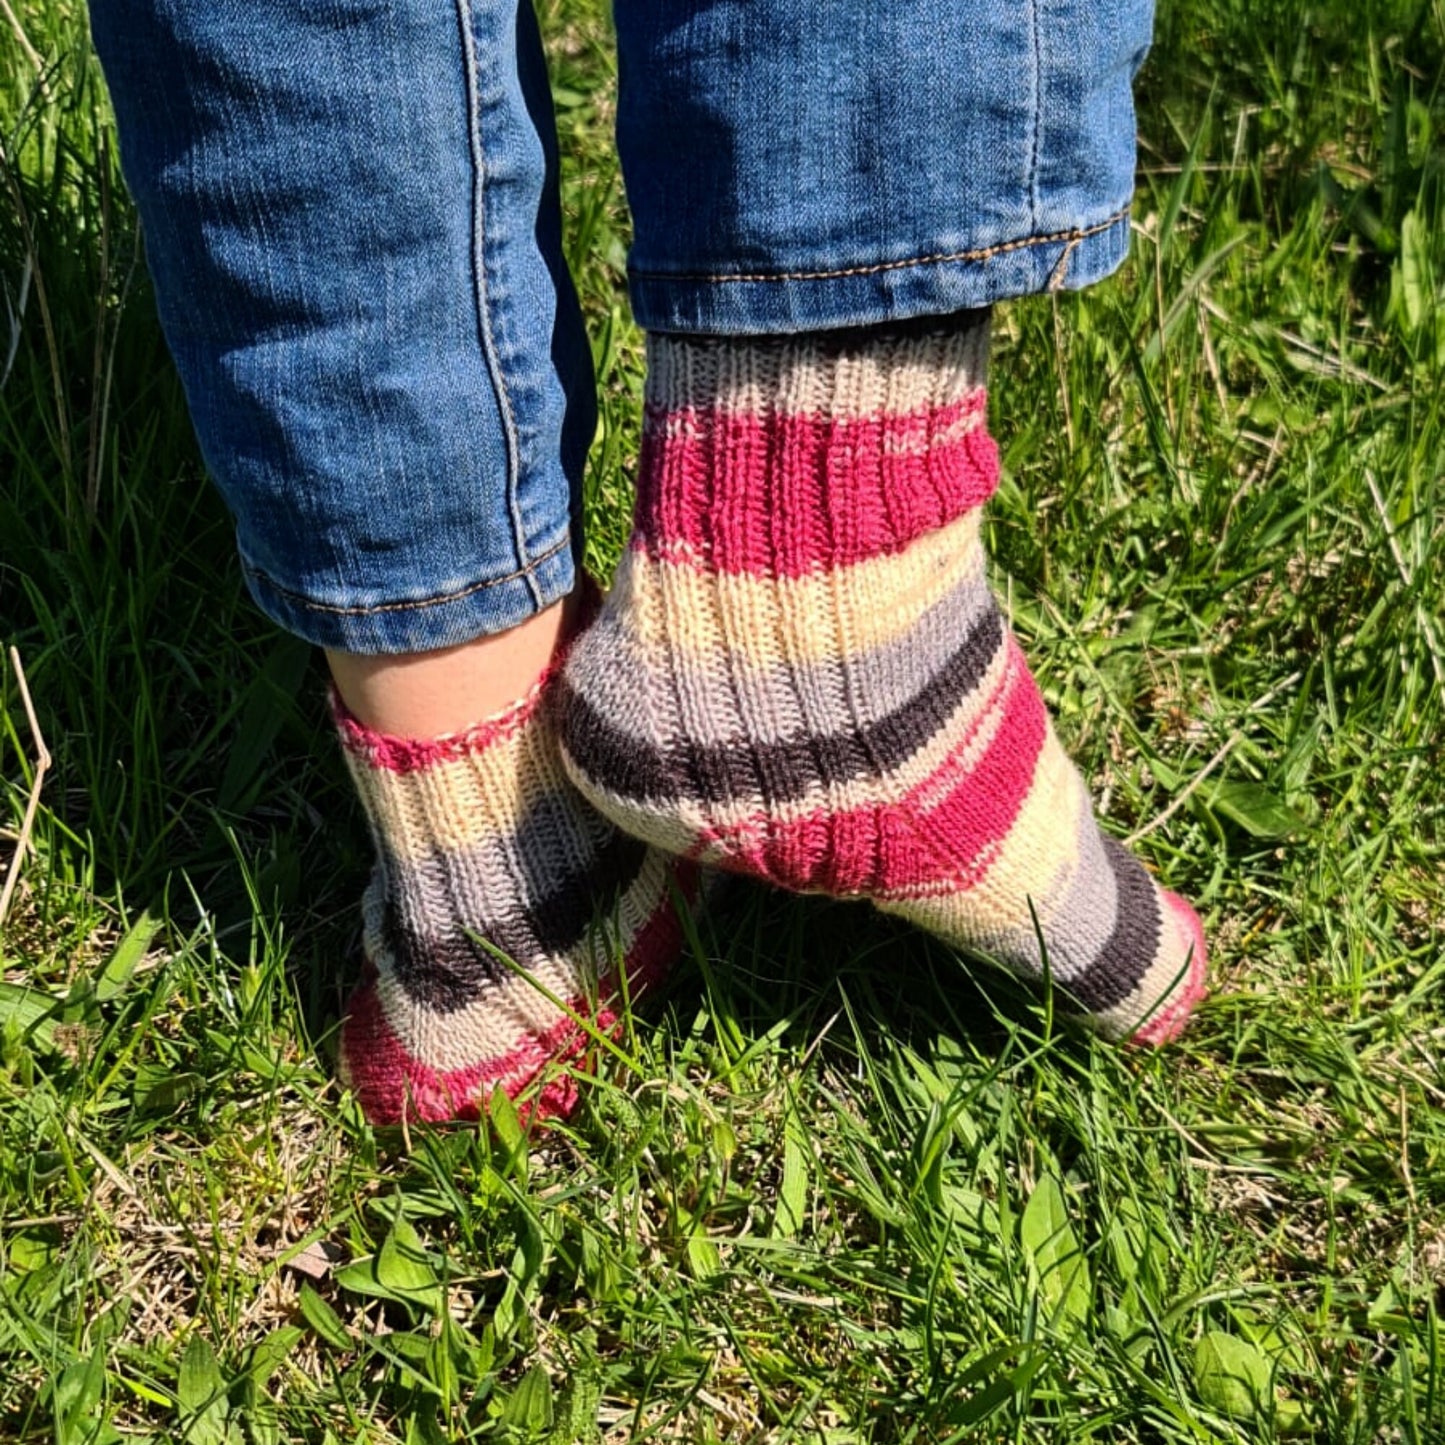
(841, 1186)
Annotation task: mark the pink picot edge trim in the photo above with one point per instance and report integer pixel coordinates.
(396, 754)
(410, 755)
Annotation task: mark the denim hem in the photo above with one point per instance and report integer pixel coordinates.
(937, 283)
(486, 606)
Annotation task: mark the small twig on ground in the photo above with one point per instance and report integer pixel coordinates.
(1232, 742)
(42, 762)
(1405, 1173)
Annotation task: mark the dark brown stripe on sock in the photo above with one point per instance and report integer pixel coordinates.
(449, 973)
(775, 772)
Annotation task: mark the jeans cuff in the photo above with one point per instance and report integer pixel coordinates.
(483, 607)
(761, 304)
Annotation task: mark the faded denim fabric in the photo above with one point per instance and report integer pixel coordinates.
(351, 218)
(799, 165)
(352, 222)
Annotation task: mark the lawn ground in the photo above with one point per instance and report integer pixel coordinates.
(838, 1184)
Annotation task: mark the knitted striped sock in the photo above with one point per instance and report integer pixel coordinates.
(479, 835)
(801, 673)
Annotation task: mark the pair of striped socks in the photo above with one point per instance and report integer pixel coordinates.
(801, 675)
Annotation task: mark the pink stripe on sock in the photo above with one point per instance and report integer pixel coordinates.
(786, 496)
(921, 840)
(982, 800)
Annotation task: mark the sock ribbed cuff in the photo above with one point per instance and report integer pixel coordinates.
(786, 456)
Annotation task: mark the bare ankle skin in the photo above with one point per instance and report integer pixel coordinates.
(427, 694)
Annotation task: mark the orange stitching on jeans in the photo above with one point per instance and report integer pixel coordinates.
(418, 606)
(941, 258)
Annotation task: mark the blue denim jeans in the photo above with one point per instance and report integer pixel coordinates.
(352, 223)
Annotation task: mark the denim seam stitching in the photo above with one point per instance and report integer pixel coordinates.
(940, 258)
(1036, 143)
(481, 295)
(420, 604)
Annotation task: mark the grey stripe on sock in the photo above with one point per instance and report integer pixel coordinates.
(1078, 916)
(727, 701)
(547, 916)
(772, 772)
(1130, 948)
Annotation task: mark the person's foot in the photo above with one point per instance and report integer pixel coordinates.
(801, 673)
(485, 853)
